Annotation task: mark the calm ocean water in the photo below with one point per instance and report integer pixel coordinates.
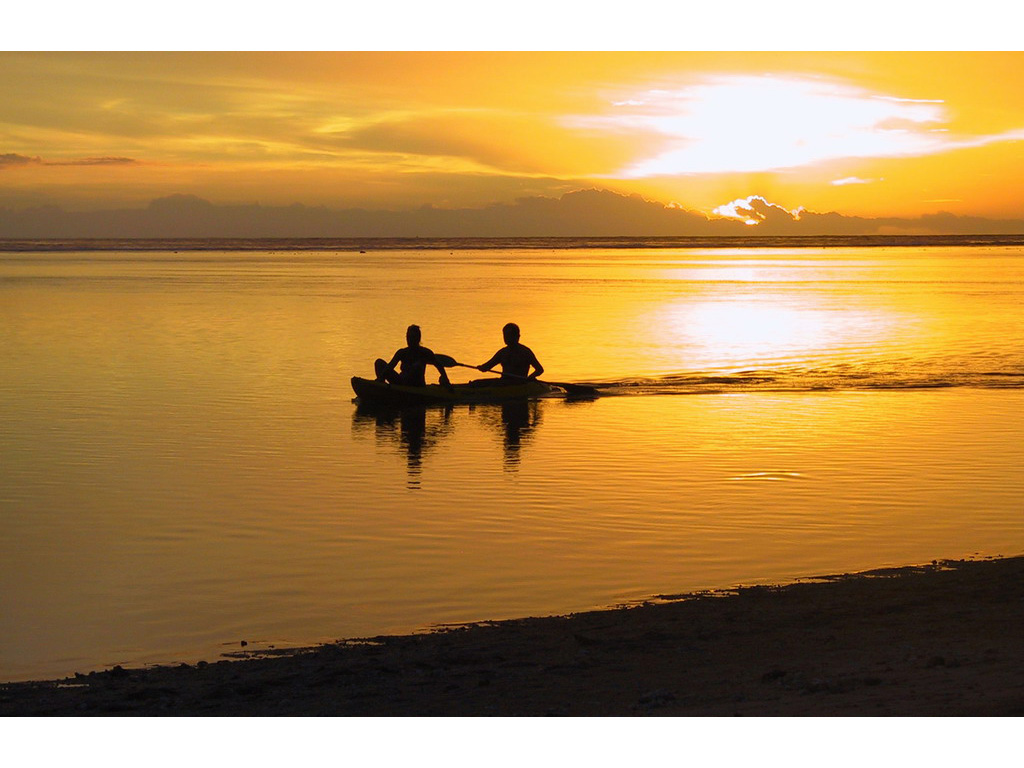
(183, 467)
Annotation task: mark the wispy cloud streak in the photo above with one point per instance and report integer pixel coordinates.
(13, 160)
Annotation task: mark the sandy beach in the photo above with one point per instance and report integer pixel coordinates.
(943, 639)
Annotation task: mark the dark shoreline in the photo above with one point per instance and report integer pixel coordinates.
(946, 639)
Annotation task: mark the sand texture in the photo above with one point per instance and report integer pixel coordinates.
(943, 639)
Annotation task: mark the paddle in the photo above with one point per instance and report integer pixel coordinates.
(577, 390)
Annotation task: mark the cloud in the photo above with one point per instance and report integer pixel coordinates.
(485, 140)
(12, 160)
(97, 161)
(851, 180)
(755, 210)
(582, 213)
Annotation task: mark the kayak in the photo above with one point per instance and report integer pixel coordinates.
(374, 392)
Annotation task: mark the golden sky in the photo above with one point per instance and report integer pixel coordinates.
(862, 133)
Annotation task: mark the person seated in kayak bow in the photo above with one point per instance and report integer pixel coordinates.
(514, 358)
(412, 360)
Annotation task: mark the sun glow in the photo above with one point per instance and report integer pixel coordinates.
(749, 124)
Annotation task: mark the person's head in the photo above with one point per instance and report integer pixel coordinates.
(511, 333)
(413, 335)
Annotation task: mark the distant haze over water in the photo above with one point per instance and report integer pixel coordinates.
(582, 213)
(15, 245)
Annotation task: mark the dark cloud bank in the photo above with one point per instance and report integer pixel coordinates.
(585, 213)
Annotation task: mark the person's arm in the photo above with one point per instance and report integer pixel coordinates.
(394, 359)
(538, 369)
(490, 363)
(440, 369)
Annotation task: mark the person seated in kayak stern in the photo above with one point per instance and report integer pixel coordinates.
(412, 360)
(514, 358)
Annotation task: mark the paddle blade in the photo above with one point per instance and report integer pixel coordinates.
(446, 361)
(575, 390)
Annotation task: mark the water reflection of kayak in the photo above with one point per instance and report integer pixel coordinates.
(487, 391)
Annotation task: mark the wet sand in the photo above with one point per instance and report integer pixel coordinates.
(945, 639)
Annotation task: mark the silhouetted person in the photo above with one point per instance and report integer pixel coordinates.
(519, 418)
(514, 358)
(412, 360)
(408, 430)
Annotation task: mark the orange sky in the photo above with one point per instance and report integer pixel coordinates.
(866, 134)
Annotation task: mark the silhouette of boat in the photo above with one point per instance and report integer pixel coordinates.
(372, 392)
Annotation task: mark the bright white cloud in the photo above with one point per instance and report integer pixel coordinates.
(750, 124)
(755, 209)
(851, 180)
(737, 209)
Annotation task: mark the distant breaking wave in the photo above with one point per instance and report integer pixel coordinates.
(500, 243)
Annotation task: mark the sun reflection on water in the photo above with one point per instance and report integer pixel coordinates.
(737, 334)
